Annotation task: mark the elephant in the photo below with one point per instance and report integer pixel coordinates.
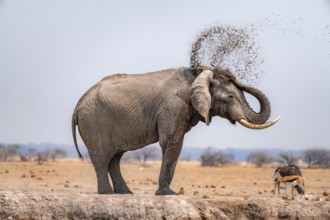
(125, 112)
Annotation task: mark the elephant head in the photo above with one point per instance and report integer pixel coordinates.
(218, 92)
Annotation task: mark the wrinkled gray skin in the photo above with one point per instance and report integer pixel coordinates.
(125, 112)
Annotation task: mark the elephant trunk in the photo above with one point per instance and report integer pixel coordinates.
(256, 120)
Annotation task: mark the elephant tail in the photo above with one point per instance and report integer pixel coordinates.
(74, 123)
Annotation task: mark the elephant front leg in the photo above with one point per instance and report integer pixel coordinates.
(169, 161)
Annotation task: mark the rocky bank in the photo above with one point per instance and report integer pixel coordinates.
(32, 205)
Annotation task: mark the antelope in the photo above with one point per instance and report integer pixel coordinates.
(289, 170)
(293, 180)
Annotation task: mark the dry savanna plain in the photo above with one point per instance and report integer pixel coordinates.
(67, 189)
(190, 179)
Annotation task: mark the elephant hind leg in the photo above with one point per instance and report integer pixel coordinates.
(118, 181)
(101, 168)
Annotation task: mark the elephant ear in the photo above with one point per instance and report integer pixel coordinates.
(200, 94)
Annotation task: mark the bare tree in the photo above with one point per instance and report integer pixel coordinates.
(213, 157)
(2, 152)
(9, 151)
(317, 157)
(146, 153)
(31, 152)
(41, 157)
(57, 152)
(260, 158)
(288, 159)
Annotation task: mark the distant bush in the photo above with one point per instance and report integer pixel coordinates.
(260, 158)
(9, 151)
(214, 157)
(288, 159)
(141, 155)
(317, 157)
(42, 156)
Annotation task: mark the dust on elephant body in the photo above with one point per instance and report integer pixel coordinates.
(125, 112)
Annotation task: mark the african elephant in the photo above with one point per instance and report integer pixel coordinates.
(125, 112)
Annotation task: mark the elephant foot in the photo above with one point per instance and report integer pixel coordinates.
(105, 191)
(123, 191)
(165, 191)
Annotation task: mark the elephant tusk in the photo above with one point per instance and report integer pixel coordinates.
(256, 126)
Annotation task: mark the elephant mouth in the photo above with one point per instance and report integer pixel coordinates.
(232, 121)
(250, 125)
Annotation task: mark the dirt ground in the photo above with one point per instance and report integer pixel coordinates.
(66, 189)
(233, 182)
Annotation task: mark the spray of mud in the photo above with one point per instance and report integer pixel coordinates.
(228, 47)
(238, 48)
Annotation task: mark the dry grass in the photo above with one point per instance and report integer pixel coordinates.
(234, 181)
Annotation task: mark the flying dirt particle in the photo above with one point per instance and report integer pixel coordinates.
(206, 186)
(223, 187)
(193, 185)
(67, 181)
(199, 186)
(39, 178)
(66, 185)
(205, 197)
(228, 47)
(259, 193)
(325, 193)
(213, 186)
(24, 176)
(181, 192)
(255, 183)
(195, 193)
(33, 176)
(6, 171)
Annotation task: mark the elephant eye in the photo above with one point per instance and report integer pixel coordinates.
(231, 96)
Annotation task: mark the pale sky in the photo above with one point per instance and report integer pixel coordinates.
(51, 52)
